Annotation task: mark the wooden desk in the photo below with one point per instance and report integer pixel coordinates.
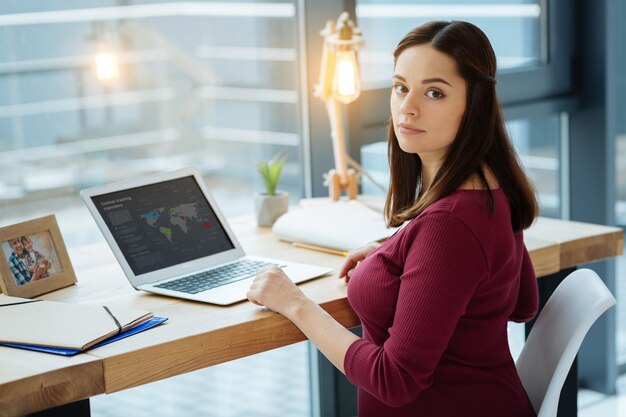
(199, 335)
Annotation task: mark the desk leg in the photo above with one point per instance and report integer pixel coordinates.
(75, 409)
(568, 403)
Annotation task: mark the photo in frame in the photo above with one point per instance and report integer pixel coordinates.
(33, 258)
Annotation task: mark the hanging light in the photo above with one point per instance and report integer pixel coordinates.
(107, 65)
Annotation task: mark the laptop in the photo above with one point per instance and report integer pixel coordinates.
(171, 238)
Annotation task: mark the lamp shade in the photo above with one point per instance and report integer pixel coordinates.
(339, 72)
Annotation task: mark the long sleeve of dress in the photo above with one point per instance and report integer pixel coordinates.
(528, 298)
(443, 265)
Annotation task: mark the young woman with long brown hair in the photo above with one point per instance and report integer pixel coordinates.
(434, 299)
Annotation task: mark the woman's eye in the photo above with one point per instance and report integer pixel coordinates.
(434, 94)
(400, 89)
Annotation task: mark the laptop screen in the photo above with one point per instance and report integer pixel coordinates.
(164, 224)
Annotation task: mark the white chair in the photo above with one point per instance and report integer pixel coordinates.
(556, 336)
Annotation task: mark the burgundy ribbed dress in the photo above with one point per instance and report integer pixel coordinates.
(434, 301)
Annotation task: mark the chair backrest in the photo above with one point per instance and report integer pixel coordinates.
(556, 336)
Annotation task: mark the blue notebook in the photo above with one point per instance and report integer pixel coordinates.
(154, 321)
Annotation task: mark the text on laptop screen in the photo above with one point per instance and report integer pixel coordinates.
(164, 224)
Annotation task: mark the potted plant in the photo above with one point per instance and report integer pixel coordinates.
(271, 204)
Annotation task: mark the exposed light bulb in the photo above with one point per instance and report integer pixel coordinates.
(347, 85)
(107, 67)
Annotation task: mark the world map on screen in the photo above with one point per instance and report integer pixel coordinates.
(164, 219)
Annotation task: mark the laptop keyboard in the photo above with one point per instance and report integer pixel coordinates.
(206, 280)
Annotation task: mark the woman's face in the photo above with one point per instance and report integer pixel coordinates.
(28, 245)
(427, 102)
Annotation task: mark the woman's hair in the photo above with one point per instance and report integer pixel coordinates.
(481, 138)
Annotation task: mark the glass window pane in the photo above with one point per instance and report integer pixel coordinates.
(96, 92)
(537, 141)
(514, 28)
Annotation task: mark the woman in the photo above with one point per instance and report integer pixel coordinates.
(434, 299)
(38, 265)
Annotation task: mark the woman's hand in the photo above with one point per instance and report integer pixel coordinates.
(40, 270)
(354, 257)
(273, 289)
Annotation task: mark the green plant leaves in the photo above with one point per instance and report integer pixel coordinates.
(270, 171)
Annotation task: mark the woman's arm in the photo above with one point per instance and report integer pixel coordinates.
(528, 297)
(273, 289)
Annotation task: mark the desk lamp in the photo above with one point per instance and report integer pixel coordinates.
(339, 83)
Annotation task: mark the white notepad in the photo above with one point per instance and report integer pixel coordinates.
(342, 225)
(63, 325)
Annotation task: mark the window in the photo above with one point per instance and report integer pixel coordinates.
(538, 144)
(385, 24)
(211, 85)
(99, 94)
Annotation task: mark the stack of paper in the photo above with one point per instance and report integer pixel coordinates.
(342, 225)
(62, 325)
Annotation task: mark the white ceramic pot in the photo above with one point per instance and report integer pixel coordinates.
(270, 207)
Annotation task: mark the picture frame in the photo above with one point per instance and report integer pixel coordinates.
(33, 258)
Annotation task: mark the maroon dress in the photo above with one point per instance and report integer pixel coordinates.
(434, 301)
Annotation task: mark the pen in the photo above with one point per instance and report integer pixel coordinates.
(319, 249)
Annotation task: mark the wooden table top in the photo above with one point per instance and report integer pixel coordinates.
(199, 335)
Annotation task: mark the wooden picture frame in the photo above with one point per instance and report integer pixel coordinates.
(42, 268)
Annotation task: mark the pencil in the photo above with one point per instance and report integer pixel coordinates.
(320, 249)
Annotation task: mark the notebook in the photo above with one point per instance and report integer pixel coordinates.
(341, 225)
(171, 238)
(63, 325)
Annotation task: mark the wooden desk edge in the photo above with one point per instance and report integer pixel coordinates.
(546, 260)
(591, 249)
(203, 350)
(51, 389)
